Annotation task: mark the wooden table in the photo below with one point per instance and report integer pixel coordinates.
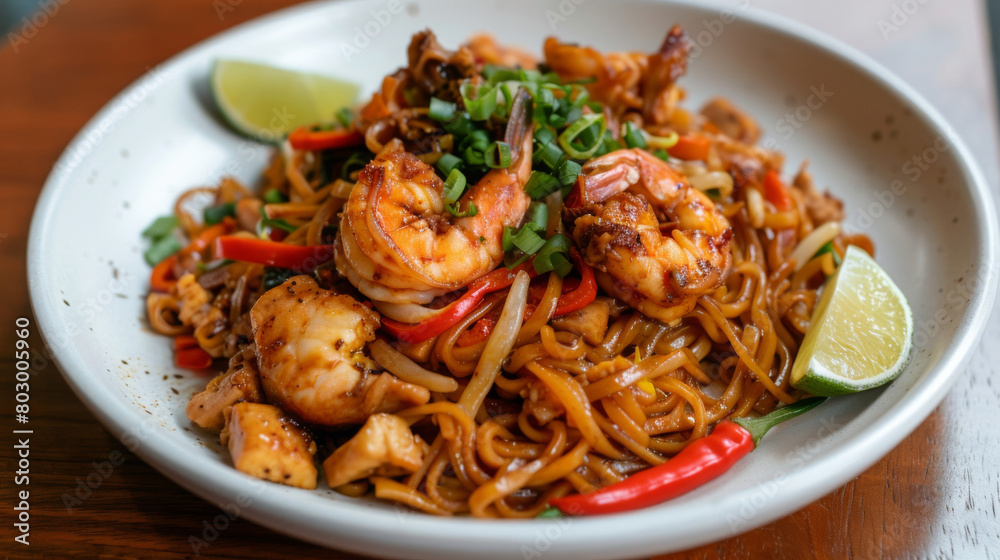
(933, 496)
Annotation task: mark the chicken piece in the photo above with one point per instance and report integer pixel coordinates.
(541, 402)
(240, 383)
(591, 322)
(821, 207)
(196, 310)
(384, 446)
(264, 443)
(310, 353)
(731, 121)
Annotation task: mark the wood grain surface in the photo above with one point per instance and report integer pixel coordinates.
(936, 495)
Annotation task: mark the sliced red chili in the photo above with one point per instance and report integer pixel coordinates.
(776, 192)
(188, 354)
(162, 278)
(455, 311)
(696, 464)
(305, 139)
(585, 292)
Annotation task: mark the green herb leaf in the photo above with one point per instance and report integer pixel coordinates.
(162, 248)
(633, 136)
(345, 117)
(215, 214)
(161, 227)
(274, 196)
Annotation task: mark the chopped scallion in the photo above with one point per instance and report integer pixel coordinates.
(568, 172)
(540, 184)
(448, 162)
(162, 248)
(482, 105)
(161, 227)
(454, 187)
(577, 129)
(215, 214)
(441, 110)
(498, 155)
(633, 136)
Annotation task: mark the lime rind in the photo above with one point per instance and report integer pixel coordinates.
(812, 375)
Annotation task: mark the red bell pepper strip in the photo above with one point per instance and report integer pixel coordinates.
(776, 192)
(304, 139)
(200, 243)
(690, 147)
(188, 354)
(453, 313)
(162, 279)
(585, 293)
(301, 258)
(696, 464)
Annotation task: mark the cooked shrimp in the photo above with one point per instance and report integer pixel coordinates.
(398, 244)
(310, 353)
(614, 213)
(626, 81)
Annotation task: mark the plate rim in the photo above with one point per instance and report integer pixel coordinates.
(220, 483)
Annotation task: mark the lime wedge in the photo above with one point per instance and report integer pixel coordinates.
(861, 331)
(267, 103)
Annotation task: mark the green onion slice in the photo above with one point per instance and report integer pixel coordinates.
(454, 186)
(540, 184)
(498, 155)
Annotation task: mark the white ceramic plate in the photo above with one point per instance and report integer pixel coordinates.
(817, 99)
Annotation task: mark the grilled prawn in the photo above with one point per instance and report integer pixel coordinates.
(614, 214)
(397, 243)
(310, 353)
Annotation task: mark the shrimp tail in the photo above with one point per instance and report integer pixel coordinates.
(519, 124)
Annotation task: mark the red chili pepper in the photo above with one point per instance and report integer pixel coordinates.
(188, 354)
(295, 257)
(776, 192)
(696, 464)
(304, 139)
(584, 294)
(690, 147)
(162, 279)
(453, 313)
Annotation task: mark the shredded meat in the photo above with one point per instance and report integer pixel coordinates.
(731, 121)
(821, 207)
